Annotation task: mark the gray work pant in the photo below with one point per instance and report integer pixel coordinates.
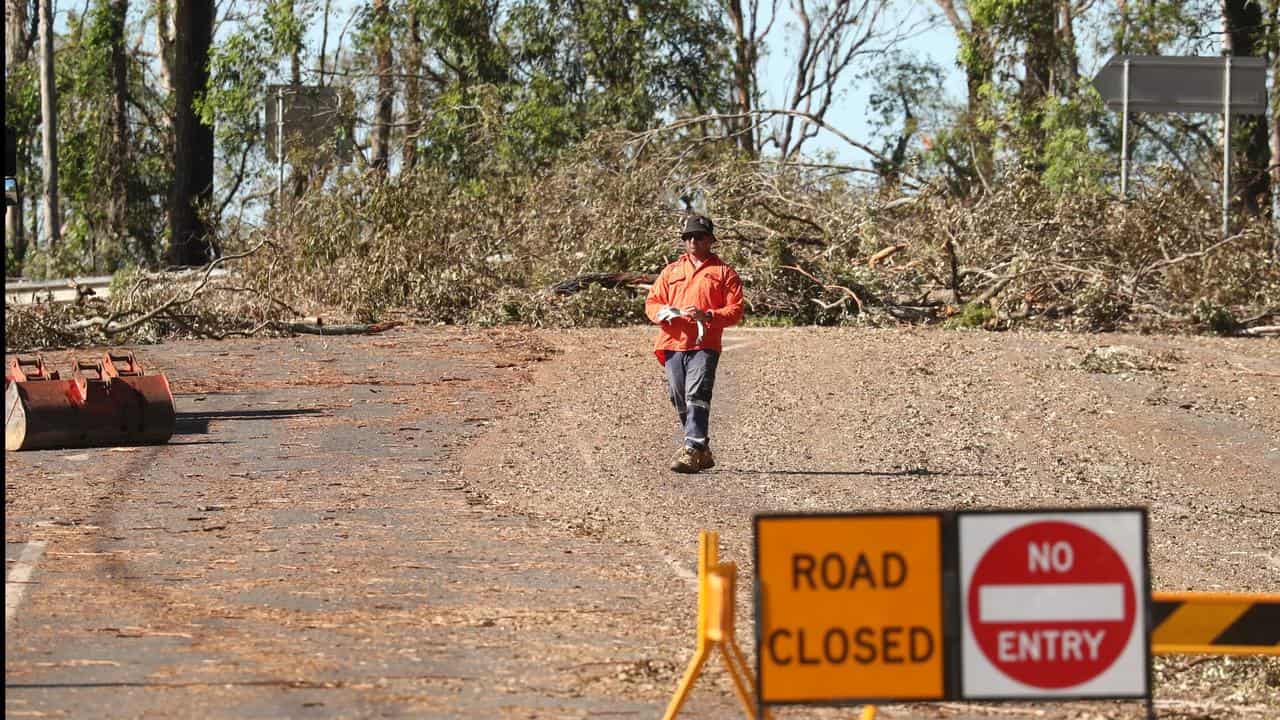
(691, 375)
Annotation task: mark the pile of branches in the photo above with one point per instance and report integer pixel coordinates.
(578, 244)
(150, 307)
(143, 308)
(575, 244)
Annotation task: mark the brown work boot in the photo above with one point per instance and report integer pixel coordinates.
(686, 461)
(706, 460)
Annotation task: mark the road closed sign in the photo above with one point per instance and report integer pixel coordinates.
(849, 608)
(1053, 604)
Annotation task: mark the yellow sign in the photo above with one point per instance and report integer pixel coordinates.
(850, 608)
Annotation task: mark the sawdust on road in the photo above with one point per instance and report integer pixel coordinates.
(448, 523)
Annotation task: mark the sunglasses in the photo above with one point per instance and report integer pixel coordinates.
(696, 236)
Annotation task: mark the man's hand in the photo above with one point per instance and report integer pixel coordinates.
(693, 313)
(668, 313)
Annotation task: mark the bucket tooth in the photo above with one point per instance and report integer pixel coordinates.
(23, 368)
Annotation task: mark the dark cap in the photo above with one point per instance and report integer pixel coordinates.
(698, 224)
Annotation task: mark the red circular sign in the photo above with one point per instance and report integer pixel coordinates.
(1051, 604)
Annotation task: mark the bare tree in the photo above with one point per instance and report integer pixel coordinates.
(299, 174)
(165, 29)
(49, 133)
(412, 91)
(1273, 101)
(832, 34)
(748, 39)
(324, 38)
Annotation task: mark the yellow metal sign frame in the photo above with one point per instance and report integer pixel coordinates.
(717, 586)
(717, 583)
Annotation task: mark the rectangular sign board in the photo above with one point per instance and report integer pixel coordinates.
(849, 608)
(1159, 84)
(1054, 604)
(312, 119)
(977, 605)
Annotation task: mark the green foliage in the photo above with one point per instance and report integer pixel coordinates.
(1164, 27)
(907, 98)
(87, 155)
(971, 317)
(1071, 161)
(520, 88)
(22, 113)
(521, 180)
(1216, 317)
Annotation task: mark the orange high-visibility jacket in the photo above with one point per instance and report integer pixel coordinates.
(714, 287)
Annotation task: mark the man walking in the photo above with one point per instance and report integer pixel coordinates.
(692, 302)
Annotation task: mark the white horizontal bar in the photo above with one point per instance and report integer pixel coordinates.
(1051, 601)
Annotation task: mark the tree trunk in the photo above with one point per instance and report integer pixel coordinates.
(381, 149)
(977, 57)
(300, 173)
(412, 95)
(744, 62)
(1068, 73)
(1244, 36)
(1273, 103)
(49, 132)
(1040, 53)
(189, 241)
(17, 33)
(165, 31)
(1040, 59)
(17, 49)
(324, 38)
(979, 71)
(118, 205)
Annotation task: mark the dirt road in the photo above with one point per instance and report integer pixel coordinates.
(445, 523)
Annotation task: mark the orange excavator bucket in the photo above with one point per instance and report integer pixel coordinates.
(106, 402)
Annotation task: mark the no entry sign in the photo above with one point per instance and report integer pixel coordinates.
(1053, 604)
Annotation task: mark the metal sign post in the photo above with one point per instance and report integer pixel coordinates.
(1124, 137)
(1226, 146)
(279, 147)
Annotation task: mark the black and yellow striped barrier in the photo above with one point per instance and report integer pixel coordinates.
(1218, 623)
